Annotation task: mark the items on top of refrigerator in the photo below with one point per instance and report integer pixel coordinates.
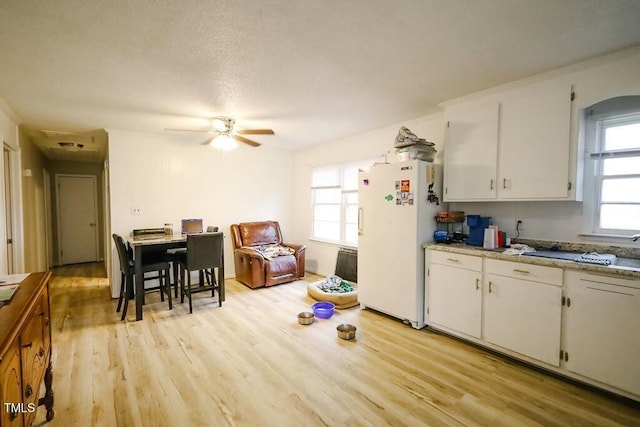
(410, 147)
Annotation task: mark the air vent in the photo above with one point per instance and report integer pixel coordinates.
(67, 137)
(71, 146)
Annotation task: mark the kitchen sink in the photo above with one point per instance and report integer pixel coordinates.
(567, 256)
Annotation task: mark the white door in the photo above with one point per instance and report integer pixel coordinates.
(601, 329)
(77, 219)
(523, 316)
(387, 245)
(455, 299)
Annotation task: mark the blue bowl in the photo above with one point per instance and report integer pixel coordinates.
(323, 309)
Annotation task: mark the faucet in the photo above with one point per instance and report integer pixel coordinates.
(635, 237)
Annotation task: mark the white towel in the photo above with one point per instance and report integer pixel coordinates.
(596, 258)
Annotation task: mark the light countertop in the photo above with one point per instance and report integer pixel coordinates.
(627, 267)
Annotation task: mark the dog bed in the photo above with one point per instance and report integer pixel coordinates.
(341, 300)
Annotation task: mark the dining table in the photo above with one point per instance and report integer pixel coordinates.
(151, 243)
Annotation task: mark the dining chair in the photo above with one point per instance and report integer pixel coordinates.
(151, 263)
(205, 254)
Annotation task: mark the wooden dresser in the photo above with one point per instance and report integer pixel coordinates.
(25, 353)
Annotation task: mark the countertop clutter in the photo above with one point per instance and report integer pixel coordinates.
(628, 258)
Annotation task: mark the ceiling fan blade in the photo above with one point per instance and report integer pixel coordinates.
(246, 141)
(190, 130)
(256, 132)
(207, 141)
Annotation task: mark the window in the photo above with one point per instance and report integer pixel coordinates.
(334, 196)
(616, 167)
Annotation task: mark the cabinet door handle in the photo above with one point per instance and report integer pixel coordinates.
(41, 352)
(453, 260)
(517, 270)
(477, 284)
(27, 345)
(13, 415)
(29, 390)
(491, 185)
(490, 284)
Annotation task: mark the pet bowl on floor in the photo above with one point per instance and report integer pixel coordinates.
(305, 318)
(346, 331)
(323, 309)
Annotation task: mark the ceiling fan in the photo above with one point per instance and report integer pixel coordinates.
(225, 136)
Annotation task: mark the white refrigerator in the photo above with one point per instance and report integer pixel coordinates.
(398, 203)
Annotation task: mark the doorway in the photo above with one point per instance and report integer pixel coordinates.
(77, 218)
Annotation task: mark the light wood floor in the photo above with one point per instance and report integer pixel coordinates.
(250, 363)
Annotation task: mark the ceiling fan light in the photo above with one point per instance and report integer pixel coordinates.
(224, 143)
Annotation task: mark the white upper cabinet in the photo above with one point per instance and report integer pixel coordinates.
(515, 144)
(535, 143)
(470, 155)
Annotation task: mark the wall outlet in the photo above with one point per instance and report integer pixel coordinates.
(519, 225)
(136, 211)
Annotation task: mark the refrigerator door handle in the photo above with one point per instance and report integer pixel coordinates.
(360, 221)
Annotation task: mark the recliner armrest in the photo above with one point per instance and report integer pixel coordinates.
(300, 254)
(250, 252)
(295, 247)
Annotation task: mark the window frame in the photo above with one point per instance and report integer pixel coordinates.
(344, 198)
(597, 157)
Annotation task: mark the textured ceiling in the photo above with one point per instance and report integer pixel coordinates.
(312, 71)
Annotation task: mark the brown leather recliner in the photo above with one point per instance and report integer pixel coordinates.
(252, 268)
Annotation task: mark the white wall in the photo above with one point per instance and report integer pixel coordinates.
(171, 180)
(321, 257)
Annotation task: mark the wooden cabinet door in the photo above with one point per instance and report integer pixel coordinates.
(11, 392)
(601, 330)
(455, 299)
(535, 143)
(523, 316)
(33, 357)
(470, 154)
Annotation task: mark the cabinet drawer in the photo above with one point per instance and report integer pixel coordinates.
(468, 262)
(579, 279)
(518, 270)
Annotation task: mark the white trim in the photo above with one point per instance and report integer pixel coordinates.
(331, 242)
(616, 237)
(9, 112)
(48, 226)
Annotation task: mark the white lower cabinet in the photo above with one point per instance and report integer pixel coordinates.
(577, 323)
(523, 316)
(601, 340)
(455, 299)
